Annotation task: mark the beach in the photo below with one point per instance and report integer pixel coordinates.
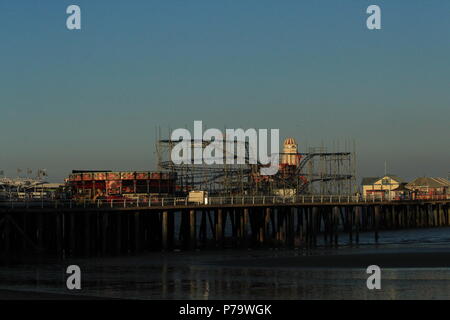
(415, 264)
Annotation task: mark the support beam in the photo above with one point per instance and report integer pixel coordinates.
(165, 230)
(192, 228)
(219, 227)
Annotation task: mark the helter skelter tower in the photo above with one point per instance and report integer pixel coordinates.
(313, 172)
(290, 156)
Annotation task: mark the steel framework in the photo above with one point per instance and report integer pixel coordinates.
(317, 172)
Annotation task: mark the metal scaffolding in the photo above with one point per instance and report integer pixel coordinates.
(317, 172)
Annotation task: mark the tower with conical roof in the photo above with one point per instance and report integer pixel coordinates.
(290, 157)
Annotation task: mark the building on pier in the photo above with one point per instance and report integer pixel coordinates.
(402, 192)
(120, 184)
(428, 188)
(381, 187)
(28, 189)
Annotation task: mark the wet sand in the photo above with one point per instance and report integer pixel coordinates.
(426, 259)
(414, 265)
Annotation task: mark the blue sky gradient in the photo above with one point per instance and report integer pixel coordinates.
(91, 99)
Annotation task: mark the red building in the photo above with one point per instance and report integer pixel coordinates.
(123, 184)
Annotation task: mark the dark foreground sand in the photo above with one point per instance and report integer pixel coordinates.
(360, 260)
(31, 295)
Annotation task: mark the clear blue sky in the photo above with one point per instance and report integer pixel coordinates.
(91, 99)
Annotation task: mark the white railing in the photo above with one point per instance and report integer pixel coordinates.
(145, 202)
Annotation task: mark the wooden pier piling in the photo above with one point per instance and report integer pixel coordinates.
(79, 231)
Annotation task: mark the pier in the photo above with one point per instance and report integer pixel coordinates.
(92, 228)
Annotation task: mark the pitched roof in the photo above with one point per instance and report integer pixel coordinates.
(396, 178)
(371, 180)
(429, 182)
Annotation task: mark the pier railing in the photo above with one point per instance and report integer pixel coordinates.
(209, 201)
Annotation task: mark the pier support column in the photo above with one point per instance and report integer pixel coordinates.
(165, 230)
(291, 230)
(203, 228)
(40, 230)
(244, 231)
(263, 231)
(357, 222)
(119, 233)
(7, 234)
(315, 225)
(137, 232)
(72, 234)
(326, 225)
(219, 227)
(87, 233)
(307, 226)
(192, 228)
(24, 226)
(59, 232)
(435, 216)
(335, 219)
(105, 233)
(350, 222)
(277, 226)
(377, 210)
(261, 217)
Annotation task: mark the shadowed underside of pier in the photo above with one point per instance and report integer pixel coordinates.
(88, 231)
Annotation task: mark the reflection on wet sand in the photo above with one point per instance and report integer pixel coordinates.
(327, 273)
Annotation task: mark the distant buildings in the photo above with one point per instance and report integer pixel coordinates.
(391, 187)
(27, 188)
